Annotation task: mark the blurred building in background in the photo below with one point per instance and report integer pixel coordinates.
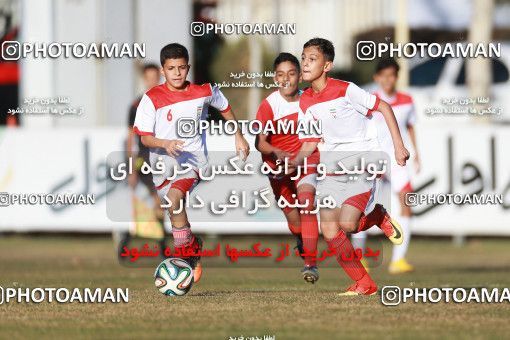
(102, 87)
(338, 21)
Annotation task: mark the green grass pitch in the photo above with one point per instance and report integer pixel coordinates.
(250, 299)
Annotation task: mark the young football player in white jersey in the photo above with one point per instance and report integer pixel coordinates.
(156, 122)
(344, 109)
(283, 106)
(386, 76)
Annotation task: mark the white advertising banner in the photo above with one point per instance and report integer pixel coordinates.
(68, 161)
(461, 161)
(464, 160)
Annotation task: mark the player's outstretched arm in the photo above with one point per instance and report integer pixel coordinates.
(412, 135)
(307, 148)
(401, 153)
(172, 147)
(242, 146)
(133, 177)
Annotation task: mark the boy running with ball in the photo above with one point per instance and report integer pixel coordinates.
(156, 122)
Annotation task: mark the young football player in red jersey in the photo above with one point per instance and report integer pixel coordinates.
(283, 106)
(156, 121)
(344, 110)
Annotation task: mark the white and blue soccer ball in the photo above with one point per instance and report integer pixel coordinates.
(173, 277)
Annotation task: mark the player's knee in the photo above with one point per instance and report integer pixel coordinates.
(174, 193)
(329, 229)
(349, 226)
(307, 201)
(287, 210)
(175, 197)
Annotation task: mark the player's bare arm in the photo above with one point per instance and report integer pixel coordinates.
(412, 136)
(306, 150)
(172, 147)
(266, 148)
(131, 136)
(133, 177)
(242, 146)
(401, 153)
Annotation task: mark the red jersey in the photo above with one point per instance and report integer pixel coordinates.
(276, 108)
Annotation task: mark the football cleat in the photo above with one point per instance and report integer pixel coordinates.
(400, 267)
(197, 272)
(123, 239)
(299, 246)
(368, 287)
(310, 274)
(194, 261)
(390, 226)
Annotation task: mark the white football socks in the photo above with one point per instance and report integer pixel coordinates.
(358, 240)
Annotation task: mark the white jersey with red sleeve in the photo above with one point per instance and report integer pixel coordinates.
(158, 114)
(344, 110)
(276, 108)
(403, 107)
(160, 109)
(405, 114)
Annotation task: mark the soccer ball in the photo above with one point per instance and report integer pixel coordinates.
(173, 277)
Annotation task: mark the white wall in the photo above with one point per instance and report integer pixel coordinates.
(104, 88)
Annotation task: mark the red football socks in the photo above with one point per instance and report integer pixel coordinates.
(375, 217)
(340, 244)
(309, 227)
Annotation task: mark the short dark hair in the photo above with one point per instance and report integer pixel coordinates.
(173, 51)
(325, 46)
(150, 66)
(283, 57)
(385, 63)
